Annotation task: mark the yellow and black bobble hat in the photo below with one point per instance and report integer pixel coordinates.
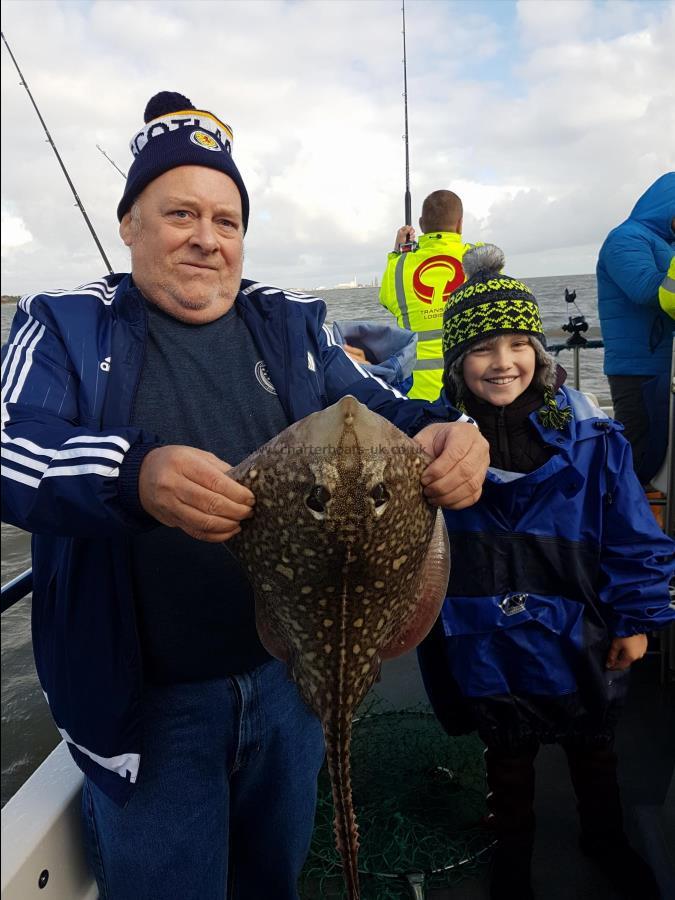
(489, 303)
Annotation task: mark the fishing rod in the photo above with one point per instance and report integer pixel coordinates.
(408, 245)
(111, 161)
(408, 209)
(78, 202)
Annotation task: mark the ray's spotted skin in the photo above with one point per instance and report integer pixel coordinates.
(349, 565)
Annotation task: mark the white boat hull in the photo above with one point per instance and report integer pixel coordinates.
(42, 836)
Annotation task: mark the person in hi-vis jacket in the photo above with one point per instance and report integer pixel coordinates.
(419, 279)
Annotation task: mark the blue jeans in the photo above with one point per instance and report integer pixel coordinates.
(225, 799)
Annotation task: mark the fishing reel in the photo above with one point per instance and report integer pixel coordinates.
(575, 325)
(408, 246)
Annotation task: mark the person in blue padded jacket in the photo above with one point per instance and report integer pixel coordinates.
(637, 333)
(558, 573)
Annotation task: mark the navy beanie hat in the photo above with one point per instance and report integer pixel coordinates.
(177, 134)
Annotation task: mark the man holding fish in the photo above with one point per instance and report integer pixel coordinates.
(125, 402)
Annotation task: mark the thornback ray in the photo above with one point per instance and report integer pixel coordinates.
(349, 565)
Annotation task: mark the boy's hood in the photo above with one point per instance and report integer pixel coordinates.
(656, 207)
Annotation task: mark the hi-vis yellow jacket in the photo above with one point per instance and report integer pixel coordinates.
(415, 288)
(667, 291)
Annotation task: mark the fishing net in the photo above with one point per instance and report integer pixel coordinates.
(419, 798)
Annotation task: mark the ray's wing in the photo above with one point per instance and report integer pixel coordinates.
(271, 636)
(432, 591)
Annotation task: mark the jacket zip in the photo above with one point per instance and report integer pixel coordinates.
(503, 438)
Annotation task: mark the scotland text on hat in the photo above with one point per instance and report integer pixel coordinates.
(190, 118)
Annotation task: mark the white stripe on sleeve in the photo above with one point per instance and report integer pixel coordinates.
(13, 475)
(87, 469)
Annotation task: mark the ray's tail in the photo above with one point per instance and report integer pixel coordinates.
(338, 741)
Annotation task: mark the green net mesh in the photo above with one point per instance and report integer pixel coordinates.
(419, 797)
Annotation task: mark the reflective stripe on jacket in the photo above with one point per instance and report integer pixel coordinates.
(667, 291)
(415, 289)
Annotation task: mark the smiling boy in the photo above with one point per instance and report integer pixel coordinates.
(558, 573)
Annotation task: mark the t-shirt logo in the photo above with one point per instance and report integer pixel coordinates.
(263, 377)
(436, 278)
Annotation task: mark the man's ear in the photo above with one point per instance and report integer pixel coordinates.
(459, 224)
(127, 229)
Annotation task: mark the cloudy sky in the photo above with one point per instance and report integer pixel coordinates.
(548, 117)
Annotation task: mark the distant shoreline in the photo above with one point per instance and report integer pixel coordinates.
(8, 298)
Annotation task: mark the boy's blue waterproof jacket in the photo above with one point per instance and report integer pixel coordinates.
(632, 264)
(546, 568)
(70, 476)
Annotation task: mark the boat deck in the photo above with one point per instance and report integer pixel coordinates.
(646, 749)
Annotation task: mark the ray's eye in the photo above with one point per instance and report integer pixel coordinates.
(379, 495)
(317, 498)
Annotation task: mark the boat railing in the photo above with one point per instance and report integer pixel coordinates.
(575, 344)
(16, 589)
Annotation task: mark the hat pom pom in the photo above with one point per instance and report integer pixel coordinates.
(165, 103)
(487, 260)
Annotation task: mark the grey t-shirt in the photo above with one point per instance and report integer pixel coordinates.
(205, 386)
